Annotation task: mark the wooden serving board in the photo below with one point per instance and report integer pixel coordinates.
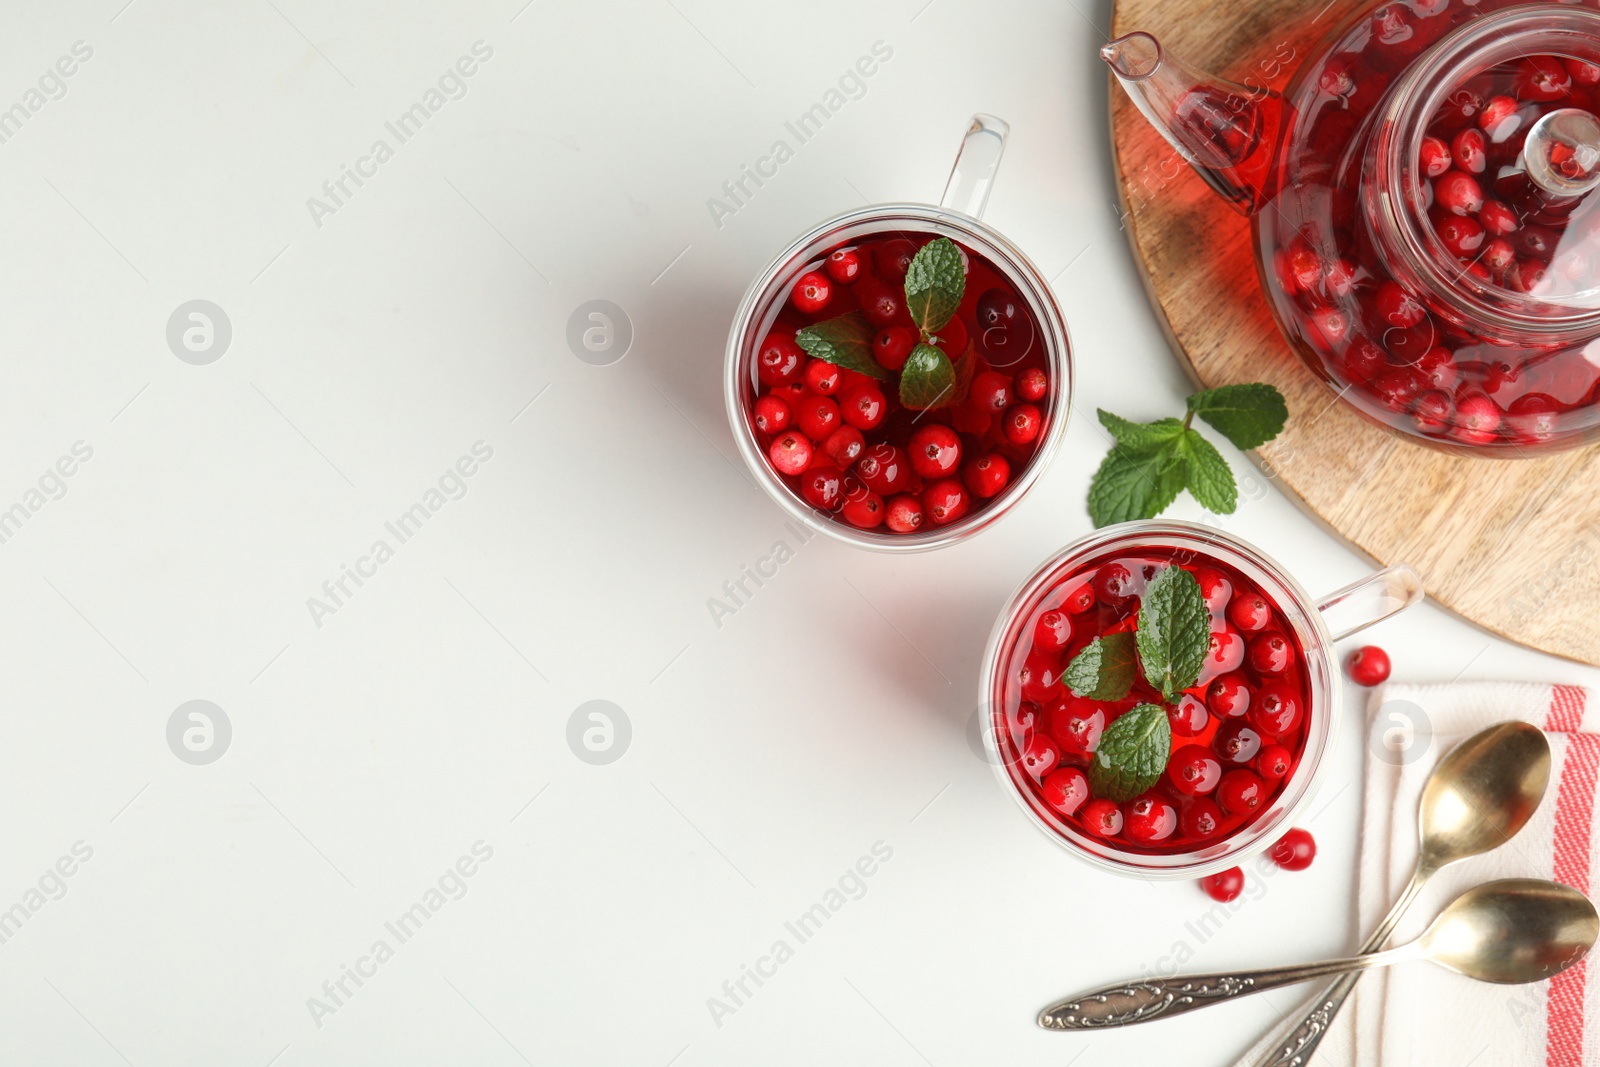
(1513, 545)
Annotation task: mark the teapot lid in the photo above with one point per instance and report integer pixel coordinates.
(1485, 174)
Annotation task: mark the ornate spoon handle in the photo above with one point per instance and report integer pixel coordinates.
(1298, 1042)
(1138, 1002)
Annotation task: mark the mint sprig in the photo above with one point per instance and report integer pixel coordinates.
(1174, 631)
(935, 283)
(845, 341)
(1104, 669)
(1152, 462)
(1132, 753)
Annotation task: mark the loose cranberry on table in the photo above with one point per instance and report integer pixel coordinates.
(1295, 851)
(1173, 758)
(1224, 886)
(922, 351)
(1369, 666)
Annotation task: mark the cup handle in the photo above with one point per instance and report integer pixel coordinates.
(972, 177)
(1371, 600)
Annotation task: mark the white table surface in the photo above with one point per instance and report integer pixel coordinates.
(375, 345)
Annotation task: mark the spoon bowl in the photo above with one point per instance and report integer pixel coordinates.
(1512, 931)
(1482, 792)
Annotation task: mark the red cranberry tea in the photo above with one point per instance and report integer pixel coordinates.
(902, 386)
(1154, 700)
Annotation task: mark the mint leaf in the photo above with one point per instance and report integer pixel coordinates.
(1132, 754)
(927, 380)
(1248, 415)
(935, 283)
(1207, 475)
(1134, 485)
(1104, 670)
(845, 341)
(1174, 631)
(965, 368)
(1138, 436)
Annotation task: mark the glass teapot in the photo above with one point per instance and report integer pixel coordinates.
(1423, 201)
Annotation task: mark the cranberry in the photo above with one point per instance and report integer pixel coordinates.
(1065, 789)
(892, 345)
(1433, 411)
(1396, 389)
(1188, 717)
(1462, 236)
(1236, 742)
(1032, 384)
(863, 509)
(1150, 820)
(1040, 757)
(1584, 75)
(1525, 275)
(1499, 118)
(1077, 725)
(1215, 589)
(945, 501)
(1241, 792)
(1228, 696)
(844, 266)
(1274, 763)
(863, 406)
(816, 417)
(883, 468)
(903, 513)
(894, 258)
(844, 446)
(881, 305)
(1276, 709)
(1200, 818)
(1498, 219)
(1194, 770)
(1021, 423)
(1498, 255)
(1534, 417)
(1225, 653)
(1398, 307)
(1477, 419)
(1102, 818)
(1470, 151)
(823, 377)
(1435, 157)
(771, 415)
(1224, 886)
(1331, 326)
(1270, 653)
(812, 292)
(934, 451)
(791, 453)
(1052, 631)
(1114, 584)
(1295, 851)
(991, 391)
(998, 307)
(1336, 78)
(1438, 368)
(1080, 599)
(1543, 78)
(1540, 242)
(822, 486)
(1458, 194)
(1303, 266)
(986, 475)
(779, 361)
(1249, 612)
(1040, 676)
(1369, 665)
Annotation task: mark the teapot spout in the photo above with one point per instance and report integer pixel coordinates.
(1226, 131)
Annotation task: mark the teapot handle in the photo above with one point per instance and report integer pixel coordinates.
(972, 177)
(1369, 601)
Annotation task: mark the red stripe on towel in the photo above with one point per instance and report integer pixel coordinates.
(1574, 823)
